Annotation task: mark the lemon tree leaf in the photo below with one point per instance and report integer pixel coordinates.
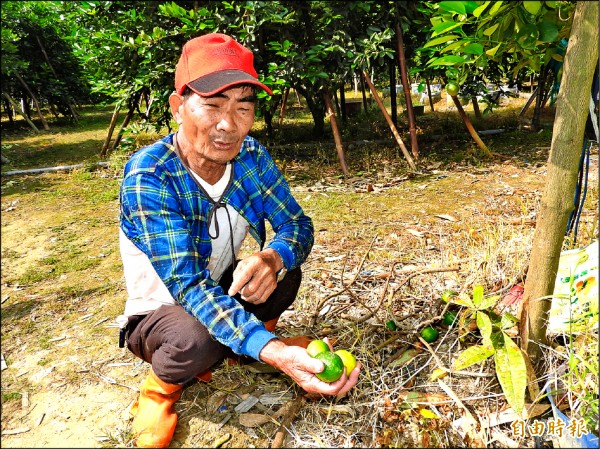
(455, 7)
(489, 31)
(471, 356)
(477, 295)
(441, 40)
(443, 27)
(512, 372)
(474, 48)
(447, 60)
(477, 11)
(532, 7)
(492, 51)
(488, 302)
(462, 301)
(485, 326)
(508, 320)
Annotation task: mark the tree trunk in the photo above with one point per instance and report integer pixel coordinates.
(572, 105)
(406, 89)
(528, 104)
(286, 93)
(469, 126)
(384, 111)
(336, 132)
(73, 113)
(363, 91)
(123, 126)
(429, 95)
(535, 121)
(343, 103)
(9, 111)
(17, 108)
(35, 101)
(317, 111)
(111, 128)
(393, 105)
(476, 109)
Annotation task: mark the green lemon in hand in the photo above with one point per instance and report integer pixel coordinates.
(348, 359)
(316, 347)
(429, 334)
(334, 366)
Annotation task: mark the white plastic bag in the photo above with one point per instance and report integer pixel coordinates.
(575, 299)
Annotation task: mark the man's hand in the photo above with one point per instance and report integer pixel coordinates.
(301, 367)
(255, 277)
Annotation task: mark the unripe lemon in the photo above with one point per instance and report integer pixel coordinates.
(429, 334)
(334, 366)
(348, 359)
(316, 347)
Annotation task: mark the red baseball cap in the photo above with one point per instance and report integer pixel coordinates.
(214, 62)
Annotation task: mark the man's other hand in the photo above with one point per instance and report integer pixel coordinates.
(255, 277)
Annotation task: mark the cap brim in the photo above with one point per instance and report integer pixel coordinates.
(218, 81)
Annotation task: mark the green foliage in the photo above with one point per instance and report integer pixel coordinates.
(468, 36)
(509, 360)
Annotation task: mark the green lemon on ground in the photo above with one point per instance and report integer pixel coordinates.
(450, 318)
(334, 366)
(348, 359)
(316, 347)
(448, 294)
(429, 334)
(390, 325)
(452, 89)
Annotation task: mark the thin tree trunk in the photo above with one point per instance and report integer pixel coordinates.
(363, 90)
(73, 113)
(384, 111)
(393, 105)
(286, 93)
(111, 128)
(535, 121)
(343, 103)
(35, 101)
(469, 126)
(406, 89)
(476, 109)
(532, 97)
(9, 111)
(123, 126)
(556, 204)
(17, 108)
(429, 94)
(336, 132)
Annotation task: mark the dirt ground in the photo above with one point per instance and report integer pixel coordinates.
(71, 393)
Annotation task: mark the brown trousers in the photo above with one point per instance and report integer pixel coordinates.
(179, 347)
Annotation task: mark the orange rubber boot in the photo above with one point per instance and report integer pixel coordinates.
(204, 376)
(155, 419)
(300, 340)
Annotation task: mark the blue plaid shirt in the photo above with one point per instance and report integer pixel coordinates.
(164, 214)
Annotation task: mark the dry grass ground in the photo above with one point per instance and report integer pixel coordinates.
(387, 244)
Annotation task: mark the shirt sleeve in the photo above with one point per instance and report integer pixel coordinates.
(152, 219)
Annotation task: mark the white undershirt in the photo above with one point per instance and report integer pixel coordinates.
(145, 289)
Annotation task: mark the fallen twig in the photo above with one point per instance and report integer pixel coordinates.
(345, 287)
(286, 421)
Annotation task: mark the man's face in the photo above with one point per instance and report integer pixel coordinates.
(215, 127)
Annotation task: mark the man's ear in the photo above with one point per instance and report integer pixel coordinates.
(176, 102)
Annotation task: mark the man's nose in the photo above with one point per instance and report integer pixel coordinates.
(227, 122)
